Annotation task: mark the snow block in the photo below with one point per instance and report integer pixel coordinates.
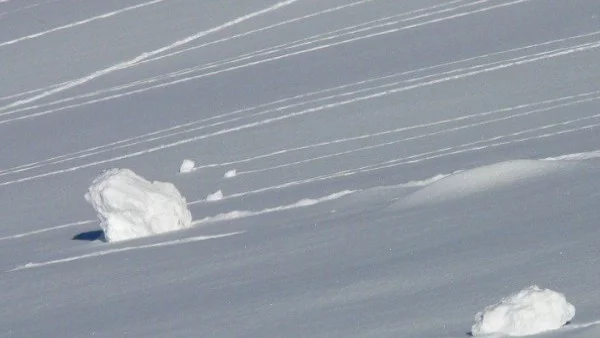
(217, 196)
(187, 166)
(531, 311)
(129, 206)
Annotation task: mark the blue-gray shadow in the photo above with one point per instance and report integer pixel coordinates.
(90, 236)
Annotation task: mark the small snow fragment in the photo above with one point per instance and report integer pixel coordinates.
(187, 166)
(531, 311)
(129, 206)
(231, 173)
(217, 196)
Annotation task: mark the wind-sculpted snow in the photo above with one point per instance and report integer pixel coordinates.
(131, 207)
(469, 182)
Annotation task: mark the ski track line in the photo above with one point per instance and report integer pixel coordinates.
(153, 79)
(124, 249)
(131, 142)
(33, 91)
(327, 36)
(440, 153)
(78, 23)
(311, 110)
(36, 232)
(474, 146)
(108, 147)
(144, 56)
(227, 69)
(156, 79)
(135, 83)
(307, 202)
(155, 138)
(296, 20)
(412, 138)
(402, 129)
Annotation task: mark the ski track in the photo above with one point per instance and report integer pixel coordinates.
(233, 215)
(307, 202)
(236, 67)
(445, 77)
(445, 131)
(144, 56)
(596, 96)
(426, 156)
(36, 232)
(195, 239)
(79, 23)
(294, 20)
(143, 138)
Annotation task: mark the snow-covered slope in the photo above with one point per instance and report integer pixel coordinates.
(386, 168)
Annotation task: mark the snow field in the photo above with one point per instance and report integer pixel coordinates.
(129, 206)
(530, 311)
(371, 99)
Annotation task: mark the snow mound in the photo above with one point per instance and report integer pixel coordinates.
(532, 310)
(129, 206)
(217, 196)
(467, 182)
(231, 173)
(187, 166)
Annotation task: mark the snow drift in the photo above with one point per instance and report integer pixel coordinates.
(532, 310)
(129, 206)
(464, 183)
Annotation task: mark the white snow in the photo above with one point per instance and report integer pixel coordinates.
(216, 196)
(187, 166)
(432, 131)
(130, 207)
(230, 173)
(530, 311)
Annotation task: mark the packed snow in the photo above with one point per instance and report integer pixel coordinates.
(216, 196)
(530, 311)
(130, 206)
(187, 166)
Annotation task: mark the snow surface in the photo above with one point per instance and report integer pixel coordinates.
(530, 311)
(187, 166)
(130, 206)
(400, 164)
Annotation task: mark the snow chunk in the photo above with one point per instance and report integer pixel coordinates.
(129, 206)
(217, 196)
(187, 166)
(231, 173)
(531, 311)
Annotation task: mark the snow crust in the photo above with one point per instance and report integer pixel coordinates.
(532, 310)
(130, 206)
(187, 166)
